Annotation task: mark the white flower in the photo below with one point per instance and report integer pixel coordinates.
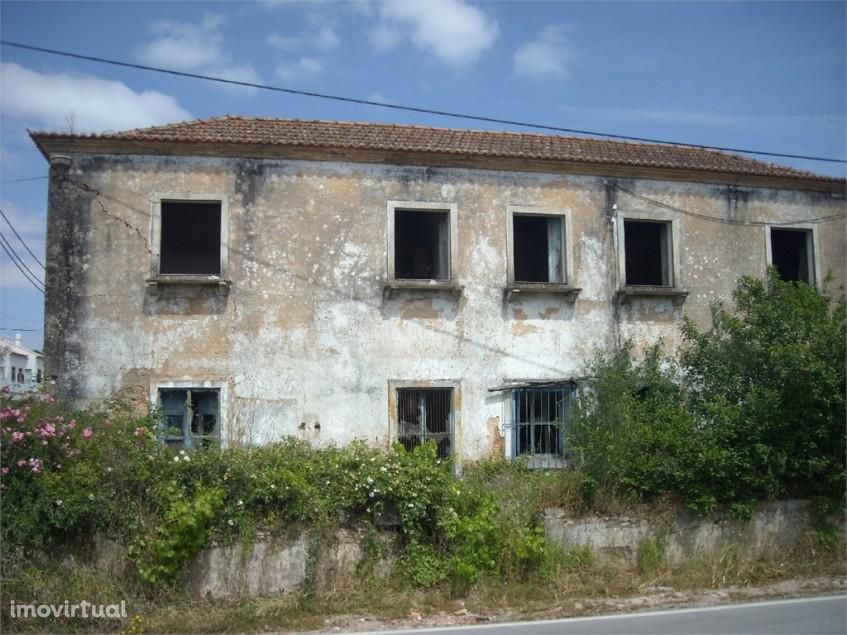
(240, 502)
(230, 522)
(371, 494)
(182, 451)
(383, 469)
(91, 497)
(370, 480)
(186, 458)
(176, 459)
(273, 486)
(59, 501)
(108, 469)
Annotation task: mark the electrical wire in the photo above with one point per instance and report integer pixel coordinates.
(32, 178)
(378, 104)
(20, 264)
(15, 231)
(726, 221)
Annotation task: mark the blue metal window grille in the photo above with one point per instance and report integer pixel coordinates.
(539, 416)
(190, 417)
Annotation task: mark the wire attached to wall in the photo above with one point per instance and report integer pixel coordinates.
(726, 221)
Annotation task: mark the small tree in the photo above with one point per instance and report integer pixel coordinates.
(769, 380)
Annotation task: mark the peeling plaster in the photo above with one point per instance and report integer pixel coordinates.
(304, 336)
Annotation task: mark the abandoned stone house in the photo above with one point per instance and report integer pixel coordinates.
(256, 279)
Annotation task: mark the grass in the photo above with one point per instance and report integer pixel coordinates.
(571, 582)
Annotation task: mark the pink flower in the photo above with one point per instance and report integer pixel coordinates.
(4, 470)
(36, 465)
(21, 463)
(17, 436)
(87, 432)
(139, 432)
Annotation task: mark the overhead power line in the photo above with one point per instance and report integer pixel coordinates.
(32, 178)
(428, 111)
(15, 231)
(20, 264)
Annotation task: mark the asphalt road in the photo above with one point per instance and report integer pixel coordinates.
(807, 616)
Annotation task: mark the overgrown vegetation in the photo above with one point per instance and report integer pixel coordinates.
(750, 410)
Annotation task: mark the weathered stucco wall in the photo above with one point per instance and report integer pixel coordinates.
(304, 334)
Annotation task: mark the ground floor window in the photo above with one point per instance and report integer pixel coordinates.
(190, 416)
(425, 414)
(539, 415)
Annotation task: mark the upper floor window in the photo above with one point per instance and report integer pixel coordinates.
(792, 253)
(422, 241)
(648, 253)
(189, 236)
(537, 241)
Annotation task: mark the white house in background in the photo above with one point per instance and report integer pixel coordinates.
(21, 368)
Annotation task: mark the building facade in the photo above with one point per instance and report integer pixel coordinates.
(255, 279)
(21, 368)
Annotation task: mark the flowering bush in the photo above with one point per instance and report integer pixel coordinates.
(66, 477)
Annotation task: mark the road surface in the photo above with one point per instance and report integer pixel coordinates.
(807, 616)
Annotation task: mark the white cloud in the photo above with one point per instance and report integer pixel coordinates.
(546, 57)
(285, 42)
(95, 104)
(197, 48)
(186, 47)
(304, 68)
(324, 38)
(327, 39)
(453, 30)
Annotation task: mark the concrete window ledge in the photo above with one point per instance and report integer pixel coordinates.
(515, 290)
(156, 283)
(636, 291)
(395, 287)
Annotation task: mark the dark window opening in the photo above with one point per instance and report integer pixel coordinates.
(191, 238)
(426, 415)
(648, 253)
(421, 245)
(791, 254)
(539, 416)
(537, 244)
(190, 417)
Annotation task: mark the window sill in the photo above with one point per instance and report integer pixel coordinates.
(645, 291)
(543, 461)
(517, 289)
(393, 287)
(156, 283)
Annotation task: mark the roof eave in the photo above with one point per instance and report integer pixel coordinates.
(51, 143)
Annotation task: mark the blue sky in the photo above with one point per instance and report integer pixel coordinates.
(762, 75)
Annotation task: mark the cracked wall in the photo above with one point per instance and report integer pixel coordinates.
(304, 343)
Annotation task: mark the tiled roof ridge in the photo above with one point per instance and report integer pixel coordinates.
(559, 146)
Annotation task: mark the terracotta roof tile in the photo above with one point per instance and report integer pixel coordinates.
(478, 143)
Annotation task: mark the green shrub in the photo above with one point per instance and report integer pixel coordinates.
(751, 410)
